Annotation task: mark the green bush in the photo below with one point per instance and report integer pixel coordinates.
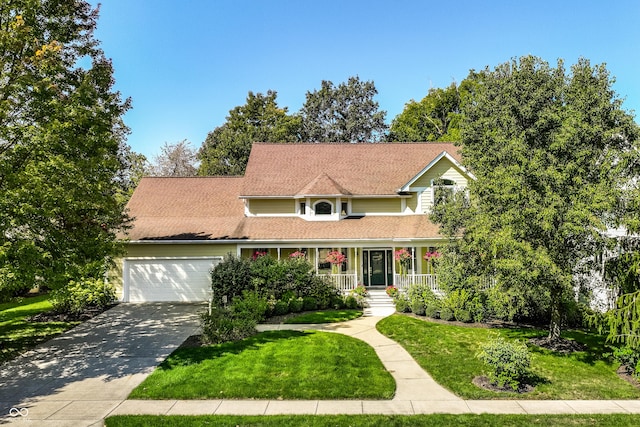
(230, 278)
(477, 307)
(281, 308)
(417, 307)
(402, 303)
(79, 296)
(295, 305)
(462, 315)
(309, 303)
(509, 362)
(432, 311)
(222, 325)
(338, 302)
(629, 358)
(360, 293)
(351, 302)
(446, 314)
(424, 293)
(251, 305)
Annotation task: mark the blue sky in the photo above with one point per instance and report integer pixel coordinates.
(186, 63)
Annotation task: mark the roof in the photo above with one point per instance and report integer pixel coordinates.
(211, 208)
(185, 208)
(290, 170)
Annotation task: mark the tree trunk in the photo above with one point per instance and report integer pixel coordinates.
(556, 317)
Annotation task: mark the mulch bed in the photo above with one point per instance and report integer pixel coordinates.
(623, 373)
(484, 382)
(52, 316)
(561, 345)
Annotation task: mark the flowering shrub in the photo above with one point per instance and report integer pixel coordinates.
(360, 293)
(258, 254)
(392, 291)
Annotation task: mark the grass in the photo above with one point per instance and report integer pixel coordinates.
(448, 353)
(17, 334)
(439, 420)
(272, 365)
(327, 316)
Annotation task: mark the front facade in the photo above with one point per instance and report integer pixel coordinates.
(367, 202)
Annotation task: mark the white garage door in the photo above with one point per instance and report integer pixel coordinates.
(186, 280)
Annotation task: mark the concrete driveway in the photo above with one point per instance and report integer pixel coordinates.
(79, 377)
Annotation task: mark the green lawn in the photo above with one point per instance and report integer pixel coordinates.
(272, 365)
(17, 334)
(448, 353)
(325, 316)
(438, 420)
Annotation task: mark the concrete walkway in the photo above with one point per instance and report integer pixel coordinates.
(85, 375)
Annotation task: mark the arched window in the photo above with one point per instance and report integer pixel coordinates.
(323, 208)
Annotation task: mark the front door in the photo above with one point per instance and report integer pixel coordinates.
(376, 270)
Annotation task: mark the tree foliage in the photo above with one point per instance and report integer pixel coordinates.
(226, 149)
(435, 118)
(343, 113)
(178, 159)
(61, 139)
(545, 145)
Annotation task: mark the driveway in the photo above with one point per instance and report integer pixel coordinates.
(79, 377)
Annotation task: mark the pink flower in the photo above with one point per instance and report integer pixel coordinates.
(297, 254)
(430, 255)
(336, 258)
(402, 255)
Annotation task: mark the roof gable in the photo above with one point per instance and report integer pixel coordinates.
(323, 185)
(443, 155)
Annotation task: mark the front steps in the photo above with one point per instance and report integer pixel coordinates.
(379, 304)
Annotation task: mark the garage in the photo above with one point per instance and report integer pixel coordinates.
(168, 279)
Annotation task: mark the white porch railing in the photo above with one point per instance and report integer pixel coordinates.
(403, 282)
(343, 282)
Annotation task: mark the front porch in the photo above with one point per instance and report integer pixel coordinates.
(400, 266)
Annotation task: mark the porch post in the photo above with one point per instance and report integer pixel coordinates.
(413, 264)
(278, 253)
(355, 266)
(316, 263)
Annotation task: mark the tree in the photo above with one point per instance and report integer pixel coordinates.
(435, 118)
(177, 159)
(60, 138)
(226, 149)
(545, 146)
(346, 113)
(134, 167)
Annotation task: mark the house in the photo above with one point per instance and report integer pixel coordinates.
(367, 201)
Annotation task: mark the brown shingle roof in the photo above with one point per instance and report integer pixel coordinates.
(358, 169)
(186, 208)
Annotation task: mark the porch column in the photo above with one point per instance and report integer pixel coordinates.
(278, 253)
(413, 263)
(355, 267)
(316, 262)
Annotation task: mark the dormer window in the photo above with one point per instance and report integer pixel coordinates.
(323, 208)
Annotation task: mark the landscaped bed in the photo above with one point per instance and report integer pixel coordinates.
(448, 353)
(18, 334)
(272, 365)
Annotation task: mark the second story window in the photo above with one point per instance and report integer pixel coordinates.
(323, 208)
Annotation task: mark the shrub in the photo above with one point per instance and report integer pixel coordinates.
(508, 360)
(462, 315)
(351, 302)
(476, 307)
(424, 293)
(251, 305)
(417, 307)
(457, 299)
(446, 314)
(360, 293)
(79, 296)
(295, 305)
(281, 308)
(338, 302)
(629, 358)
(230, 278)
(309, 303)
(432, 311)
(402, 303)
(392, 291)
(222, 325)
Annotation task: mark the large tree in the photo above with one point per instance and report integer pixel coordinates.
(226, 149)
(435, 118)
(178, 159)
(343, 113)
(546, 146)
(61, 139)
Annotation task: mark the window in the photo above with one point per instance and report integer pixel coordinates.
(443, 190)
(323, 208)
(303, 208)
(345, 209)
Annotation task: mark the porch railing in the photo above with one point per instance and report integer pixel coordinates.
(403, 282)
(343, 282)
